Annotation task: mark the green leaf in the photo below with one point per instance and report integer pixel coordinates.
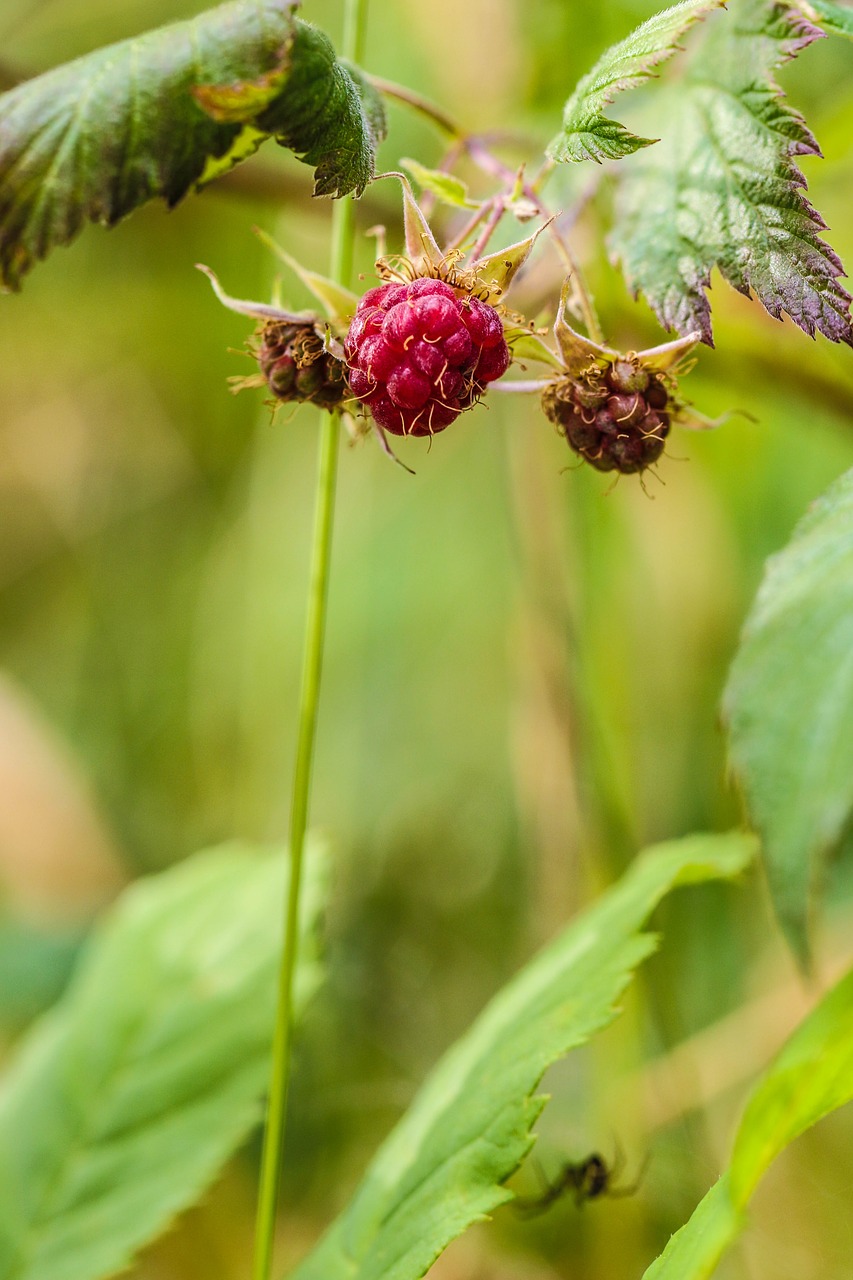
(445, 186)
(125, 1101)
(587, 134)
(811, 1077)
(833, 17)
(96, 138)
(723, 188)
(469, 1127)
(789, 705)
(696, 1248)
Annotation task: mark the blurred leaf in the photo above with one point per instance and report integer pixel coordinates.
(809, 1078)
(445, 186)
(469, 1127)
(789, 705)
(35, 964)
(525, 345)
(126, 1100)
(96, 138)
(587, 134)
(834, 17)
(723, 189)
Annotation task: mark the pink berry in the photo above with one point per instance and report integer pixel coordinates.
(483, 323)
(378, 357)
(493, 363)
(428, 358)
(408, 388)
(420, 353)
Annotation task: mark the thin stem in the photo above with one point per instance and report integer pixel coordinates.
(343, 227)
(498, 211)
(490, 163)
(465, 232)
(423, 105)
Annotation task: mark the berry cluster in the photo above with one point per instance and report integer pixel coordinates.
(616, 418)
(420, 353)
(297, 366)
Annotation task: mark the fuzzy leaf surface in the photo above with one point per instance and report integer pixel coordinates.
(468, 1129)
(588, 134)
(789, 705)
(811, 1076)
(124, 1102)
(723, 188)
(96, 138)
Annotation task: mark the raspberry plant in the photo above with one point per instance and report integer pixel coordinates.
(121, 1107)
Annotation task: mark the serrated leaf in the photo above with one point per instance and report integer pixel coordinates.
(789, 705)
(587, 134)
(96, 138)
(810, 1077)
(832, 17)
(468, 1129)
(125, 1101)
(449, 189)
(723, 188)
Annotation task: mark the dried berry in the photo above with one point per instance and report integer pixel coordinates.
(614, 417)
(420, 353)
(297, 366)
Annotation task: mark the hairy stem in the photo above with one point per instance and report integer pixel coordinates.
(343, 228)
(489, 163)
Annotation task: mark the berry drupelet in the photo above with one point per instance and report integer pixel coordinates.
(297, 367)
(616, 418)
(421, 352)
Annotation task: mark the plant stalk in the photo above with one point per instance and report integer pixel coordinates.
(343, 235)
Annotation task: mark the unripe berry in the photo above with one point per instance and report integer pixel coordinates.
(297, 366)
(614, 418)
(420, 353)
(627, 376)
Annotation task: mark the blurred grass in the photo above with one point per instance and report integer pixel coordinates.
(523, 668)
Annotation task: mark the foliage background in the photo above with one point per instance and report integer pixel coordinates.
(523, 670)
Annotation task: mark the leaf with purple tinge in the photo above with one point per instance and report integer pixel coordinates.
(723, 189)
(837, 18)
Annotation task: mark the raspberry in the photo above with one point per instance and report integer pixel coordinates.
(297, 366)
(614, 418)
(420, 353)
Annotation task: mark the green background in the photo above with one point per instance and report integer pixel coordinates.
(523, 667)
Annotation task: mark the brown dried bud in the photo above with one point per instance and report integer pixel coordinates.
(298, 367)
(615, 418)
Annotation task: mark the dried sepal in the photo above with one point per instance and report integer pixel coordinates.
(577, 351)
(338, 303)
(421, 245)
(494, 273)
(257, 310)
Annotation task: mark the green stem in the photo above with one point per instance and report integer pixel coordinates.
(418, 103)
(343, 234)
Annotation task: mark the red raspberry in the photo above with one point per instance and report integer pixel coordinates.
(422, 352)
